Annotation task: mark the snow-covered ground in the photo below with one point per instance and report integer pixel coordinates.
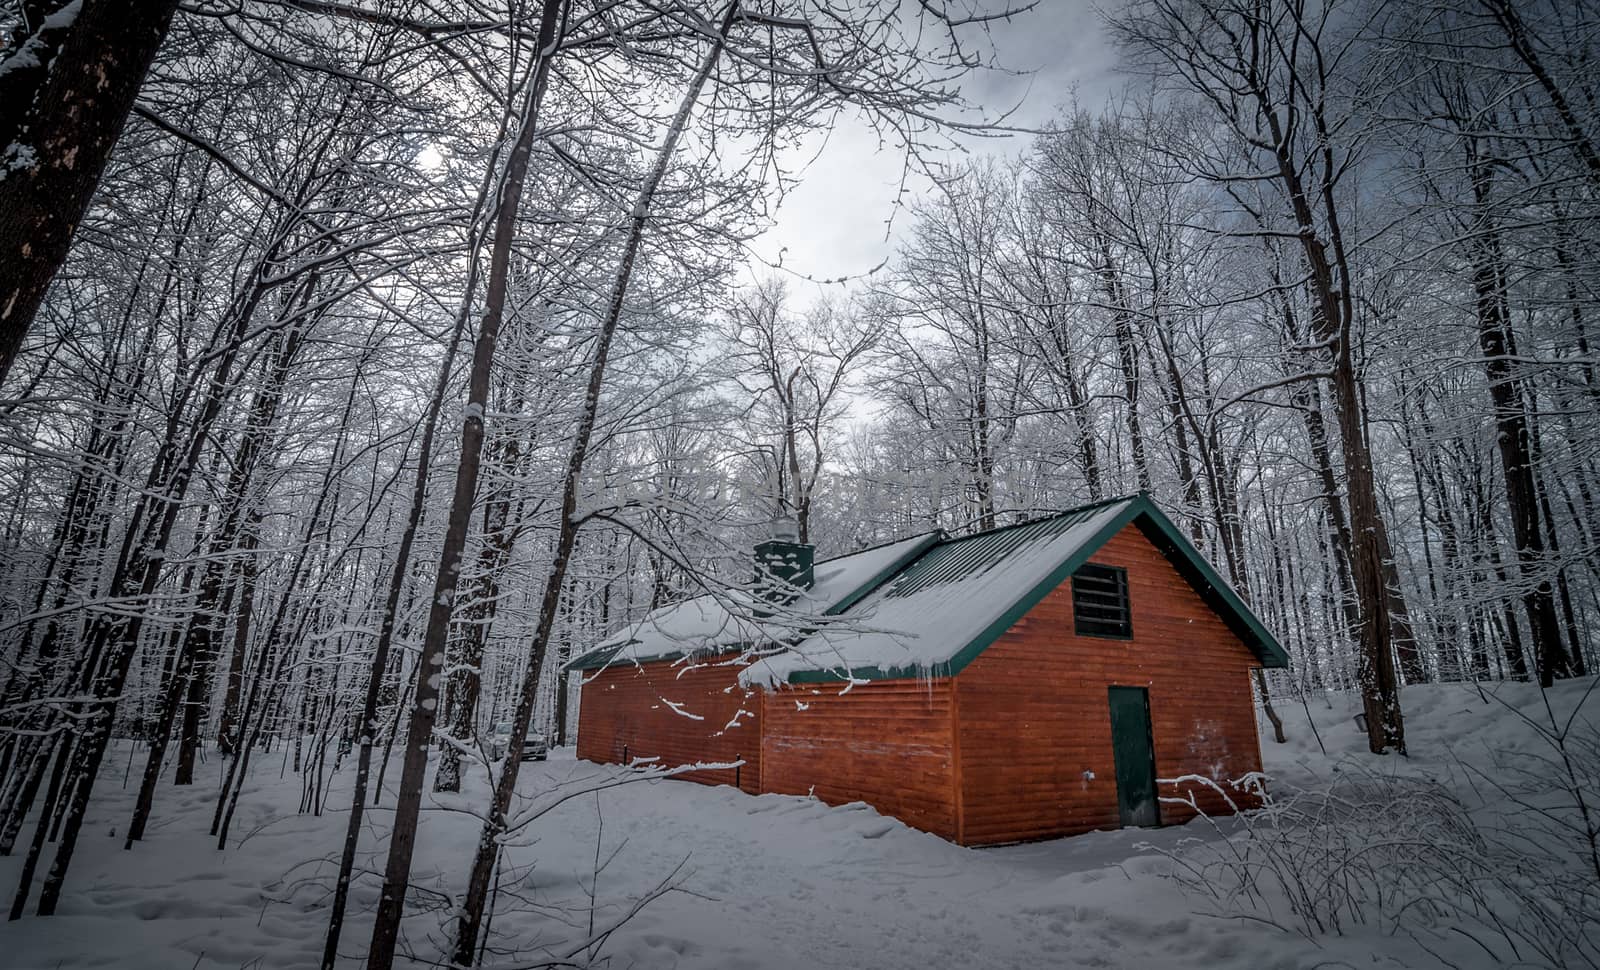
(761, 882)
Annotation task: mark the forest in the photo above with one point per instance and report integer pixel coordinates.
(362, 362)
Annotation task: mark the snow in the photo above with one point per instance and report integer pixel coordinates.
(767, 881)
(26, 57)
(709, 621)
(678, 709)
(16, 158)
(894, 629)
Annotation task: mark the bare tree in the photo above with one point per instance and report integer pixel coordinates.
(1275, 77)
(795, 372)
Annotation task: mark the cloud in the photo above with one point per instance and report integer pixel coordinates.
(834, 224)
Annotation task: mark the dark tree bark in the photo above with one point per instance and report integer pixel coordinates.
(1182, 420)
(1514, 438)
(244, 596)
(58, 124)
(1488, 540)
(367, 726)
(1127, 357)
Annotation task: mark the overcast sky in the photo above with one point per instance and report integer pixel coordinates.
(834, 224)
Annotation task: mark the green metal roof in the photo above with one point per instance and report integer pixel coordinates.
(954, 559)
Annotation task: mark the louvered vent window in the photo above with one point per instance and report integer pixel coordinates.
(1100, 602)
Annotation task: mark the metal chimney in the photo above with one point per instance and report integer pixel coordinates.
(784, 564)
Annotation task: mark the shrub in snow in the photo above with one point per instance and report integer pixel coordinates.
(1505, 866)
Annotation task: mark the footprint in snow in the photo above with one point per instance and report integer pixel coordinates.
(676, 945)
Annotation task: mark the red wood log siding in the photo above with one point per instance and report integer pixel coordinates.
(1035, 713)
(624, 708)
(887, 743)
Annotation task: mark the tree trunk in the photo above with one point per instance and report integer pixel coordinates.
(1488, 535)
(198, 637)
(1331, 324)
(1515, 443)
(58, 123)
(244, 612)
(1127, 358)
(402, 838)
(1505, 14)
(496, 820)
(142, 558)
(466, 680)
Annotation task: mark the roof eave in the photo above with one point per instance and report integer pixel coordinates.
(588, 663)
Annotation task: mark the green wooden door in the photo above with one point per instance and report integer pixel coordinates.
(1135, 756)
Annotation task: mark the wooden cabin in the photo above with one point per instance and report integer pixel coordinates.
(1083, 671)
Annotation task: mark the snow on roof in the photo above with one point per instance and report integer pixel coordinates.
(944, 601)
(726, 618)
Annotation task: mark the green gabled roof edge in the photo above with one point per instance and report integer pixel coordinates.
(602, 657)
(1167, 537)
(1216, 591)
